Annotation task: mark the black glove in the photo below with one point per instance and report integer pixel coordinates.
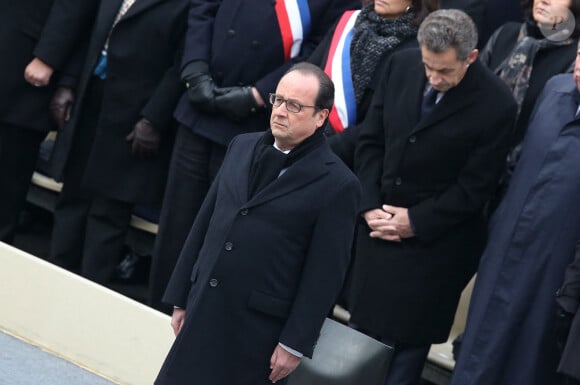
(200, 85)
(563, 324)
(60, 106)
(145, 140)
(238, 103)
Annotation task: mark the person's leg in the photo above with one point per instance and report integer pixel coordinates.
(106, 231)
(72, 206)
(407, 363)
(18, 154)
(191, 170)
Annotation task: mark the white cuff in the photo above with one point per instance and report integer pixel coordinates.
(290, 350)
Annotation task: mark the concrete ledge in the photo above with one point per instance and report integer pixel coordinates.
(49, 188)
(80, 321)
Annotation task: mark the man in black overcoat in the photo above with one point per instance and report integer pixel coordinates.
(268, 252)
(114, 151)
(24, 118)
(235, 53)
(430, 151)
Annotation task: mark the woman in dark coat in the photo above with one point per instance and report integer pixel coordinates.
(543, 58)
(114, 152)
(353, 54)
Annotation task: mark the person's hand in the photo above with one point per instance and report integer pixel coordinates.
(60, 106)
(38, 73)
(400, 220)
(200, 85)
(562, 327)
(378, 221)
(282, 364)
(145, 140)
(237, 103)
(177, 320)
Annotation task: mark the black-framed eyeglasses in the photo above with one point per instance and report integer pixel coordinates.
(291, 105)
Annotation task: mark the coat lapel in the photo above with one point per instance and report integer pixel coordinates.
(301, 173)
(138, 7)
(107, 13)
(460, 96)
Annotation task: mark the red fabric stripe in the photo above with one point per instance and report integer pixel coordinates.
(333, 117)
(285, 29)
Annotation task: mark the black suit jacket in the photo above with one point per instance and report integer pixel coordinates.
(255, 271)
(443, 169)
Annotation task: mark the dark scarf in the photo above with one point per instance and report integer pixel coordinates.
(373, 36)
(268, 162)
(517, 68)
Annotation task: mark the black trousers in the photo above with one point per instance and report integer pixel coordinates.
(18, 154)
(194, 164)
(89, 229)
(407, 363)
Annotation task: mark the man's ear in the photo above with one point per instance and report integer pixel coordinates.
(472, 56)
(323, 115)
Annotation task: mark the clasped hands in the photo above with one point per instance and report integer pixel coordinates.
(236, 103)
(389, 223)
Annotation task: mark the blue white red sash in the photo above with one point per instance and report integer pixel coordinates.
(294, 21)
(337, 67)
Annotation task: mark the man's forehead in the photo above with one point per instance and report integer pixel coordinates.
(440, 60)
(298, 86)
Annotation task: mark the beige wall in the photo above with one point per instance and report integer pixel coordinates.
(80, 321)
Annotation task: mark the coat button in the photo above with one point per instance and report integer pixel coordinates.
(412, 139)
(244, 212)
(231, 33)
(213, 282)
(229, 246)
(398, 181)
(255, 44)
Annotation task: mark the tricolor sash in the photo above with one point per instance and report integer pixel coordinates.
(294, 21)
(337, 67)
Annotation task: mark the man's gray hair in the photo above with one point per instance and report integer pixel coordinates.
(448, 28)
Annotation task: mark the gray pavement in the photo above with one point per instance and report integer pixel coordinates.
(25, 364)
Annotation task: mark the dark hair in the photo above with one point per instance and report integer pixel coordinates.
(325, 97)
(422, 8)
(528, 5)
(448, 28)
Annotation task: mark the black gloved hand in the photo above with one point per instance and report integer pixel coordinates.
(60, 106)
(145, 138)
(562, 328)
(200, 85)
(238, 103)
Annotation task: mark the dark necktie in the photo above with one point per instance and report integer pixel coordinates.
(428, 102)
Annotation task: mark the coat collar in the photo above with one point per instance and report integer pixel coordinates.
(313, 166)
(110, 9)
(565, 86)
(460, 96)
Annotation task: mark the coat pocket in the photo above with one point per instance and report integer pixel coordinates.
(267, 304)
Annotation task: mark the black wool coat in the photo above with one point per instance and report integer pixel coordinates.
(443, 169)
(242, 43)
(261, 270)
(142, 81)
